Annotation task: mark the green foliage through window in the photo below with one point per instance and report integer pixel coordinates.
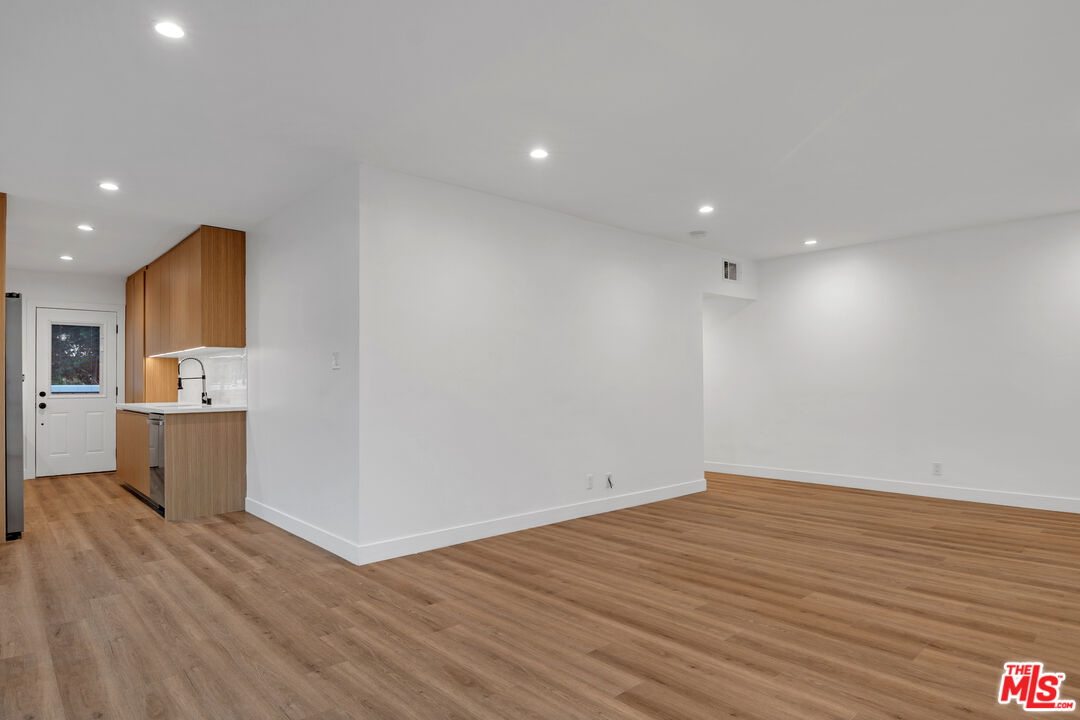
(76, 358)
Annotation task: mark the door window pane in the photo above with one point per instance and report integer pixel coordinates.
(76, 359)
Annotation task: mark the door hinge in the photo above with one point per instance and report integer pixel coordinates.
(117, 329)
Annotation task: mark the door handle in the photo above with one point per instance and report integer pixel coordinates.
(41, 405)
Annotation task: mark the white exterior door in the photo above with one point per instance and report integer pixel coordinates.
(75, 398)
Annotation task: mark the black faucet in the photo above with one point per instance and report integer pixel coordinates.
(180, 380)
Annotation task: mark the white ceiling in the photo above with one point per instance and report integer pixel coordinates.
(848, 121)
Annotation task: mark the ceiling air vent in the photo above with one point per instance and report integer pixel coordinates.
(731, 270)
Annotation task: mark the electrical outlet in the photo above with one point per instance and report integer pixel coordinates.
(936, 469)
(611, 480)
(588, 481)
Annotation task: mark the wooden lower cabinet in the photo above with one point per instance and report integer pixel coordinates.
(205, 464)
(133, 450)
(205, 460)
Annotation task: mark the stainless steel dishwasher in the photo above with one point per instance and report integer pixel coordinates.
(157, 459)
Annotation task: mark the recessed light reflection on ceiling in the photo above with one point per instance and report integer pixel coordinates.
(810, 241)
(86, 228)
(538, 153)
(169, 30)
(705, 209)
(66, 258)
(108, 185)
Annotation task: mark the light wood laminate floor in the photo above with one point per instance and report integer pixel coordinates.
(757, 599)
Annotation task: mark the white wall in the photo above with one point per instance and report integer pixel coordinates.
(63, 290)
(302, 306)
(505, 352)
(863, 366)
(511, 351)
(66, 288)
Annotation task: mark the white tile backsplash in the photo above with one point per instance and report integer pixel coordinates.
(226, 377)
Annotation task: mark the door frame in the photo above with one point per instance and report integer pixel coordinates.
(29, 333)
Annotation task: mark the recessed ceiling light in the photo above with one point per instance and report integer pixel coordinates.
(86, 228)
(538, 153)
(66, 257)
(705, 209)
(809, 241)
(109, 185)
(170, 30)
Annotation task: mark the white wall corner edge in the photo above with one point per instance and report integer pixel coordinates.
(905, 487)
(342, 547)
(396, 547)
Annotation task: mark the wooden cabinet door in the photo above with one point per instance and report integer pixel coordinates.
(156, 307)
(133, 450)
(134, 337)
(185, 294)
(223, 281)
(174, 299)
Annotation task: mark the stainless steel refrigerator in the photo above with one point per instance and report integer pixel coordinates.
(13, 393)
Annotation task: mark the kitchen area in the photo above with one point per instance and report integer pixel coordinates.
(181, 432)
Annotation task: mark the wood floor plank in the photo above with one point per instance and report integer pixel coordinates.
(756, 599)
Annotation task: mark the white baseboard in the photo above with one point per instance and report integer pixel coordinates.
(906, 487)
(361, 554)
(336, 544)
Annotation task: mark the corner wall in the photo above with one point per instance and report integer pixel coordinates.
(302, 306)
(863, 366)
(498, 353)
(510, 352)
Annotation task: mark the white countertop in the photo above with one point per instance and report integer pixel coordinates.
(174, 408)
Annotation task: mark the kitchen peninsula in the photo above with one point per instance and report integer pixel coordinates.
(186, 459)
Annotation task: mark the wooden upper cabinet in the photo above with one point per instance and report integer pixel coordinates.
(134, 341)
(156, 319)
(183, 266)
(195, 293)
(145, 379)
(224, 316)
